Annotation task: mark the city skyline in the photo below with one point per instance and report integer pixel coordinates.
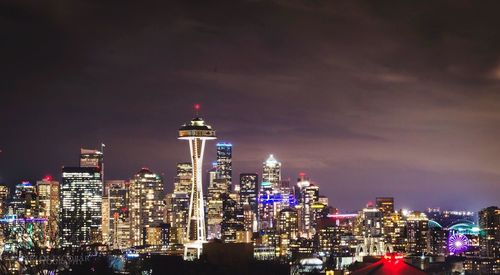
(368, 101)
(211, 157)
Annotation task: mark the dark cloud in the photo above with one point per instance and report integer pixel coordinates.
(370, 98)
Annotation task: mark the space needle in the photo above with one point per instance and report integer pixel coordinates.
(196, 133)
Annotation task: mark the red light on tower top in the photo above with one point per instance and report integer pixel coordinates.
(48, 178)
(197, 108)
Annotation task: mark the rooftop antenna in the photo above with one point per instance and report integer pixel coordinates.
(197, 109)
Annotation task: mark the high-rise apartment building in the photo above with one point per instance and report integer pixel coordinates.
(146, 204)
(117, 193)
(394, 230)
(4, 196)
(288, 229)
(385, 205)
(489, 237)
(215, 191)
(48, 200)
(417, 227)
(177, 207)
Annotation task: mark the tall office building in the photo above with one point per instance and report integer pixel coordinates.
(146, 204)
(385, 205)
(271, 172)
(232, 219)
(288, 223)
(288, 229)
(177, 207)
(81, 206)
(308, 196)
(24, 203)
(184, 178)
(4, 196)
(394, 230)
(489, 238)
(177, 203)
(417, 227)
(224, 162)
(48, 200)
(249, 184)
(105, 227)
(215, 191)
(117, 193)
(196, 133)
(370, 222)
(269, 193)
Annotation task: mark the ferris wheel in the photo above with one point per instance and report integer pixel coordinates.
(458, 243)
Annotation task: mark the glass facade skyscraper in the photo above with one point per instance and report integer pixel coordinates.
(224, 162)
(81, 206)
(249, 184)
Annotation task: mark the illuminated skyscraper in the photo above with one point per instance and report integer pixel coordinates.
(248, 195)
(215, 191)
(308, 196)
(224, 162)
(370, 222)
(4, 195)
(196, 133)
(118, 196)
(269, 193)
(417, 227)
(489, 238)
(48, 200)
(184, 178)
(232, 220)
(146, 204)
(271, 172)
(385, 205)
(177, 203)
(394, 230)
(81, 206)
(177, 206)
(288, 229)
(24, 203)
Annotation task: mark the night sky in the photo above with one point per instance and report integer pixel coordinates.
(368, 98)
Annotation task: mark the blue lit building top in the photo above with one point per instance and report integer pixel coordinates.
(224, 144)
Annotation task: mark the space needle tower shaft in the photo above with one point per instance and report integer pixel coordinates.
(196, 132)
